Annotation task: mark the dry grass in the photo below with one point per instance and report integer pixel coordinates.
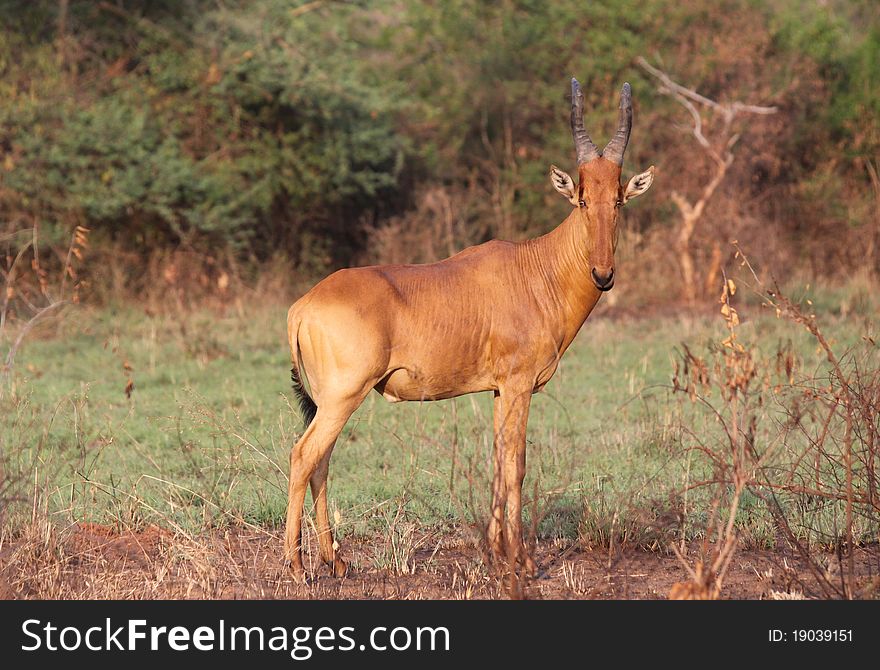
(88, 561)
(784, 432)
(195, 515)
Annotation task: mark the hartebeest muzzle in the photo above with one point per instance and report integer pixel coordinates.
(603, 279)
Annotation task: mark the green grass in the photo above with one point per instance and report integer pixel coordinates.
(204, 439)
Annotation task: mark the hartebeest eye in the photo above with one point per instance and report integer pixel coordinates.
(581, 203)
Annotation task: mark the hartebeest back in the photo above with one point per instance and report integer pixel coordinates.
(494, 317)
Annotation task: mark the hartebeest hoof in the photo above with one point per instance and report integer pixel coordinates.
(296, 572)
(522, 560)
(529, 565)
(497, 553)
(501, 560)
(338, 567)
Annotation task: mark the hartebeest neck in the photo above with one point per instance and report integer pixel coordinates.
(561, 259)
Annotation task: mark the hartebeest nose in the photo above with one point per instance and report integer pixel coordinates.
(603, 279)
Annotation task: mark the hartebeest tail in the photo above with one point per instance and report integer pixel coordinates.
(306, 405)
(495, 317)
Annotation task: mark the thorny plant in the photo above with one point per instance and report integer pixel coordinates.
(737, 376)
(790, 439)
(833, 420)
(30, 292)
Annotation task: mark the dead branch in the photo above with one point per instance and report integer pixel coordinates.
(9, 280)
(303, 9)
(728, 109)
(10, 357)
(720, 151)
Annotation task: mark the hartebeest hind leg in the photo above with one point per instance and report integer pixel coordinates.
(309, 461)
(511, 417)
(318, 483)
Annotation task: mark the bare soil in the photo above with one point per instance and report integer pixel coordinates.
(94, 561)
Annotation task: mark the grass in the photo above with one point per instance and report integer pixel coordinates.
(203, 439)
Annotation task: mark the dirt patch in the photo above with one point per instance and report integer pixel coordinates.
(94, 561)
(93, 542)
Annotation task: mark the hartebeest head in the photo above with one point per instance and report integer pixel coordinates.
(599, 194)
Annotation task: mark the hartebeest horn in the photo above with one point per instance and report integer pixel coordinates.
(615, 148)
(586, 150)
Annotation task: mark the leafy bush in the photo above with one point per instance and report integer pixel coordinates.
(307, 128)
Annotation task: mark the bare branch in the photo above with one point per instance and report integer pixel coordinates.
(671, 87)
(10, 357)
(10, 277)
(722, 156)
(303, 9)
(752, 109)
(682, 203)
(698, 121)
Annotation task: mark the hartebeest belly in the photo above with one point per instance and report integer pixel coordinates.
(495, 317)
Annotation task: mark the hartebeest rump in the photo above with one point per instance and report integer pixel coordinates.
(494, 317)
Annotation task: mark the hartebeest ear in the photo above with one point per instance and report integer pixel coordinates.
(564, 184)
(639, 184)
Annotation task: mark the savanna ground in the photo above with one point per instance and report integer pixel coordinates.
(173, 175)
(145, 456)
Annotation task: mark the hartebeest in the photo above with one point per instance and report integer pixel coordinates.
(494, 317)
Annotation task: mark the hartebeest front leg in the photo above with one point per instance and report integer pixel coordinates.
(511, 418)
(495, 532)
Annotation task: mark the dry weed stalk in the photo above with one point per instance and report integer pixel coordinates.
(817, 447)
(734, 459)
(31, 294)
(837, 415)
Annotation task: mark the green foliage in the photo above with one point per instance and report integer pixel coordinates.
(844, 41)
(277, 125)
(257, 124)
